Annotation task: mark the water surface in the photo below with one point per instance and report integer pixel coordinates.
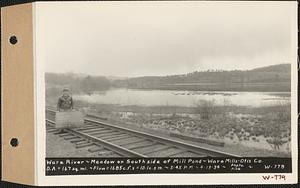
(184, 98)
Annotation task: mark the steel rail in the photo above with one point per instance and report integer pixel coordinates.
(179, 144)
(110, 146)
(176, 143)
(97, 141)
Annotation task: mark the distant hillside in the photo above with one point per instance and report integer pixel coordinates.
(77, 82)
(285, 68)
(269, 78)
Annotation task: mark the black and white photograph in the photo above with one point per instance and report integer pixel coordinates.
(168, 80)
(137, 93)
(158, 83)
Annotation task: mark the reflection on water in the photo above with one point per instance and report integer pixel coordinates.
(183, 98)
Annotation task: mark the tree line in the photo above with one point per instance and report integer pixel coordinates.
(276, 77)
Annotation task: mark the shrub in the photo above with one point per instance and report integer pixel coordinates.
(206, 109)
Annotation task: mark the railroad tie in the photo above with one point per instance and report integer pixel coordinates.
(92, 150)
(82, 142)
(84, 145)
(132, 142)
(174, 152)
(117, 138)
(52, 130)
(158, 149)
(177, 153)
(103, 132)
(87, 129)
(106, 153)
(112, 135)
(59, 133)
(92, 129)
(70, 137)
(77, 140)
(142, 146)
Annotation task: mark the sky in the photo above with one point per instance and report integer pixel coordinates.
(130, 39)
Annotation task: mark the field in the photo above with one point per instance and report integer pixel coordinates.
(247, 131)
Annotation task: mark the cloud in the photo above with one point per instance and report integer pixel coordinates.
(158, 38)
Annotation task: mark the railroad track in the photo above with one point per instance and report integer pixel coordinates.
(110, 140)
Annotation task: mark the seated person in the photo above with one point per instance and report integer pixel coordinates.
(65, 102)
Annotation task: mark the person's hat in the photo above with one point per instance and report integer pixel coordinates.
(66, 90)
